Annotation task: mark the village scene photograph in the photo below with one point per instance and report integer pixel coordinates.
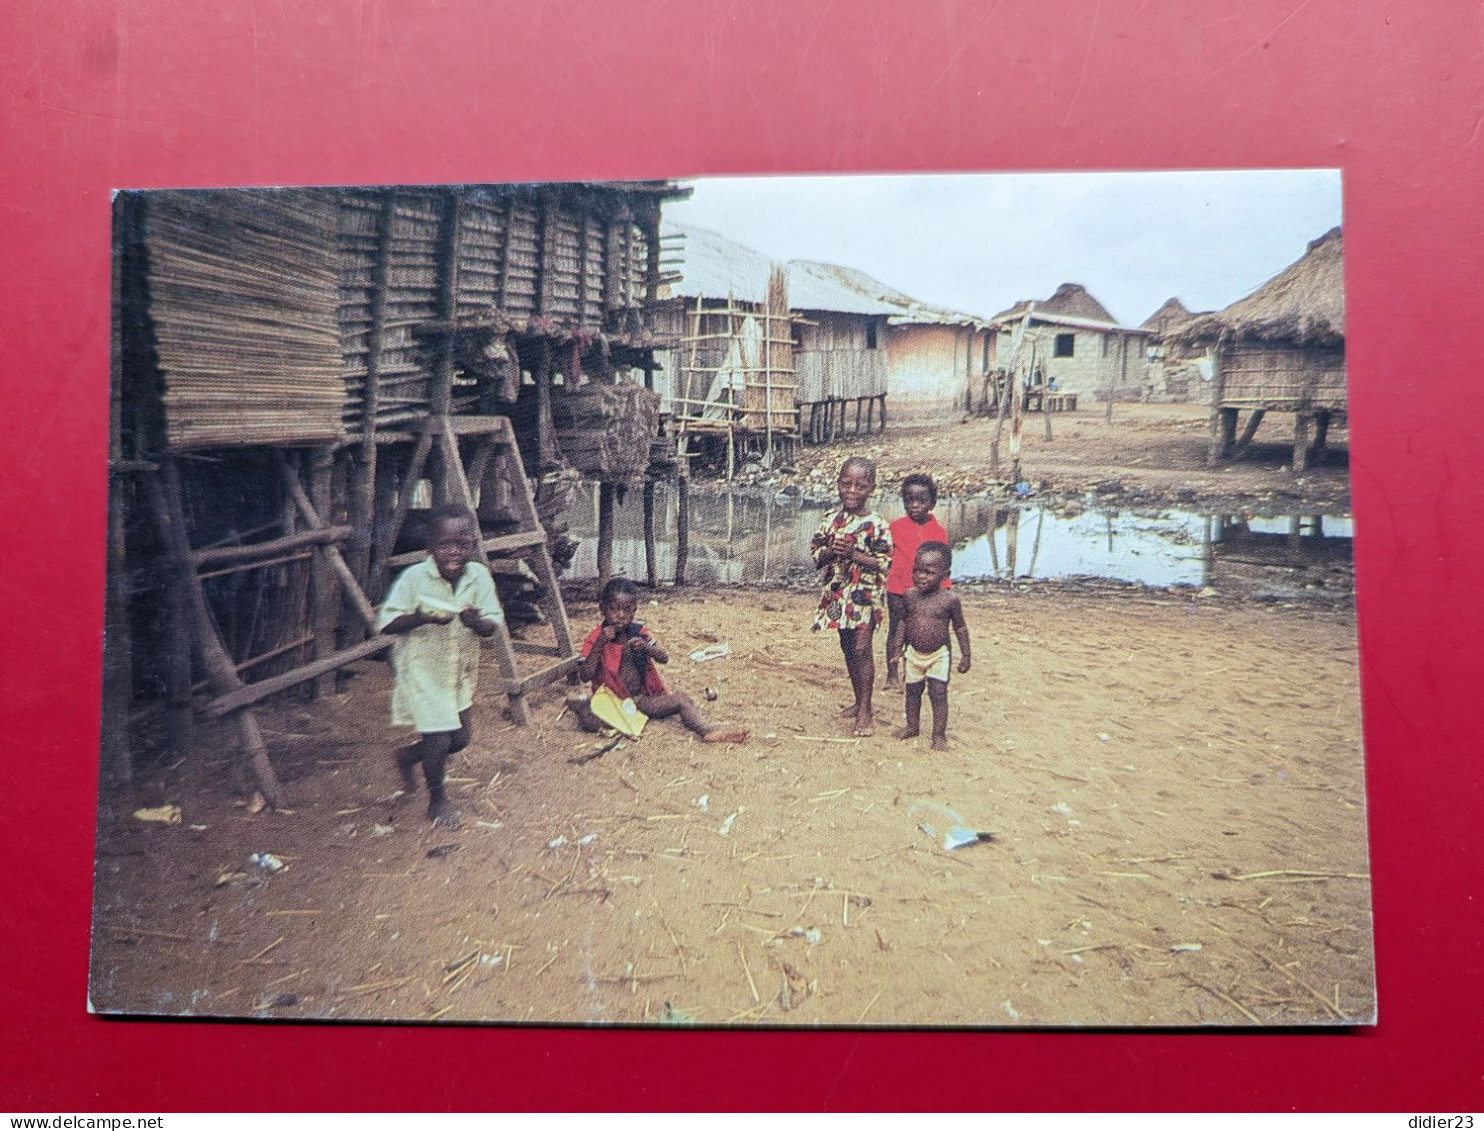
(858, 601)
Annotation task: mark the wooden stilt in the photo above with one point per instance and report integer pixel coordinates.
(1321, 436)
(324, 588)
(682, 513)
(169, 510)
(1254, 418)
(605, 533)
(1300, 441)
(651, 569)
(177, 664)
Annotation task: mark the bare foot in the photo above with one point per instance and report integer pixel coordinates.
(863, 723)
(893, 682)
(905, 732)
(444, 815)
(847, 710)
(940, 743)
(720, 735)
(405, 764)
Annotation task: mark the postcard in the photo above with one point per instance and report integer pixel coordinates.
(866, 601)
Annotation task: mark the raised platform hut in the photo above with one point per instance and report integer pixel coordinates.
(299, 373)
(1280, 349)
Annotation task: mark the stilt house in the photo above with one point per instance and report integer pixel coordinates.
(1280, 349)
(299, 373)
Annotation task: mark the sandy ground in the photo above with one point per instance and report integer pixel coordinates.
(1173, 783)
(1146, 453)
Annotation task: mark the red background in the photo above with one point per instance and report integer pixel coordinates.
(157, 93)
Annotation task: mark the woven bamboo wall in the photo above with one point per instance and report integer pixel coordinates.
(243, 317)
(1282, 376)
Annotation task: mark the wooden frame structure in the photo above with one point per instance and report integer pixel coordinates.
(298, 373)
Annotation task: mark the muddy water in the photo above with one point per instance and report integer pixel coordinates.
(751, 538)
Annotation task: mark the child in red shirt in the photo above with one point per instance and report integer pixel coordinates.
(619, 657)
(918, 525)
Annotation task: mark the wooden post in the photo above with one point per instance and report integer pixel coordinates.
(118, 657)
(1249, 430)
(545, 429)
(363, 485)
(1321, 435)
(605, 533)
(1213, 355)
(1300, 440)
(324, 588)
(682, 512)
(1017, 421)
(651, 570)
(883, 413)
(169, 510)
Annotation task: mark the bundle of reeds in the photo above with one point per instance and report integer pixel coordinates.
(243, 304)
(605, 430)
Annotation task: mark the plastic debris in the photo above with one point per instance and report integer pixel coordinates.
(557, 842)
(1010, 1011)
(726, 825)
(957, 834)
(383, 830)
(587, 840)
(1185, 947)
(1105, 738)
(711, 652)
(266, 861)
(162, 814)
(703, 802)
(1063, 808)
(813, 936)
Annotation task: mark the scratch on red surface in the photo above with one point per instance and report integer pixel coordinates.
(835, 1083)
(1092, 32)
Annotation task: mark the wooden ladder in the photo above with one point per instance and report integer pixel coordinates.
(495, 453)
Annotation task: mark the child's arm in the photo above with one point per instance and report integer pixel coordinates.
(594, 659)
(483, 615)
(649, 648)
(405, 623)
(896, 640)
(477, 623)
(960, 630)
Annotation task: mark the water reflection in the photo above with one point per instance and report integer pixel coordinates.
(748, 538)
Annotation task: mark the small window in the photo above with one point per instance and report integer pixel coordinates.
(870, 335)
(1065, 345)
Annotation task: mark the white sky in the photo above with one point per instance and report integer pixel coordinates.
(979, 243)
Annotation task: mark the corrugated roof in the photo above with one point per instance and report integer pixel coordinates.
(714, 267)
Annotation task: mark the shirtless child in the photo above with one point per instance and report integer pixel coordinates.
(928, 612)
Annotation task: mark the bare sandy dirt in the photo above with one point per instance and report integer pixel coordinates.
(1147, 452)
(1173, 783)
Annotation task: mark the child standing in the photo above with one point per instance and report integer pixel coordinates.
(437, 609)
(918, 525)
(853, 547)
(618, 660)
(928, 612)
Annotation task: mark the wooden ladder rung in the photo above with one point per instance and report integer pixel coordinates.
(250, 694)
(538, 678)
(527, 648)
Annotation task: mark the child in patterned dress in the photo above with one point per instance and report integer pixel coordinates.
(853, 548)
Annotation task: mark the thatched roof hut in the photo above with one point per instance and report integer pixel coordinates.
(1168, 317)
(1070, 299)
(1071, 339)
(1303, 305)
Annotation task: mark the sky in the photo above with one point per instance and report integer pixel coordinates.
(979, 243)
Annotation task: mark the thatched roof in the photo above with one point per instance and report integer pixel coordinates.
(1302, 305)
(1071, 299)
(1167, 317)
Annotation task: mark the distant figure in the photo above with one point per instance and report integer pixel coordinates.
(929, 612)
(853, 548)
(918, 525)
(618, 661)
(1053, 386)
(437, 609)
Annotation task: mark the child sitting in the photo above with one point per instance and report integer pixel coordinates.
(618, 660)
(928, 611)
(437, 609)
(853, 548)
(918, 525)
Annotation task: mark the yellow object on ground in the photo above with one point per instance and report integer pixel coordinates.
(621, 714)
(165, 814)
